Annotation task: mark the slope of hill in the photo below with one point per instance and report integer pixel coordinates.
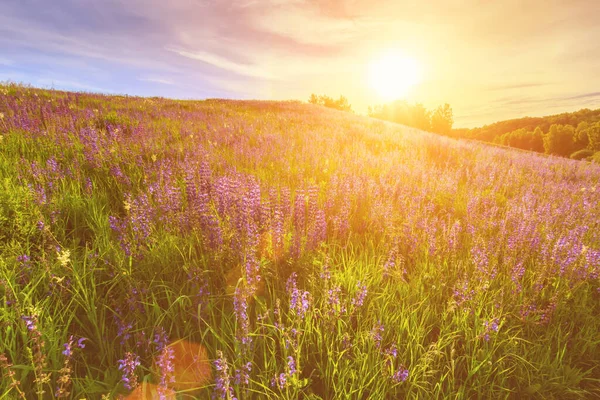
(280, 250)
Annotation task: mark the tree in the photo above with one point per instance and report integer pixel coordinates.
(559, 140)
(593, 134)
(537, 140)
(421, 118)
(442, 119)
(581, 135)
(324, 100)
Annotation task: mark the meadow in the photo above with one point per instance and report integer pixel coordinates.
(154, 248)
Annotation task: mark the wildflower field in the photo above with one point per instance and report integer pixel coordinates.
(154, 248)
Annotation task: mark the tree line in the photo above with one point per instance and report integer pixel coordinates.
(575, 135)
(416, 115)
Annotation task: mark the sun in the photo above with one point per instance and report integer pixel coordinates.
(393, 74)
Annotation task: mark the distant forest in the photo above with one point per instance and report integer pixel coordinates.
(575, 135)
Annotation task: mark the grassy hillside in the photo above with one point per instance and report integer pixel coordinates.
(255, 249)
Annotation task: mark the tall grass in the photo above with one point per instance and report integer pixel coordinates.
(178, 249)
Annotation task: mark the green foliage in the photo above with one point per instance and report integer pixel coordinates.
(401, 112)
(523, 139)
(581, 135)
(593, 133)
(559, 140)
(324, 100)
(442, 119)
(515, 133)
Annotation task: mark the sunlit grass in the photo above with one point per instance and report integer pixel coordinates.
(279, 250)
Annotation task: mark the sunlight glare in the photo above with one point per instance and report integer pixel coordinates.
(393, 74)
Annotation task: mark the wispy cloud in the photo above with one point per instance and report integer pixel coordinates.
(517, 86)
(152, 79)
(71, 85)
(583, 96)
(217, 61)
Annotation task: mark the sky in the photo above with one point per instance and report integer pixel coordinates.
(490, 60)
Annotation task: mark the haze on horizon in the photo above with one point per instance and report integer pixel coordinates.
(489, 60)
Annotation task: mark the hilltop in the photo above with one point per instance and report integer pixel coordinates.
(282, 250)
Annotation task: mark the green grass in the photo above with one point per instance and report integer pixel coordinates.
(209, 195)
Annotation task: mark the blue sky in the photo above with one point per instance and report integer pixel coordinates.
(490, 60)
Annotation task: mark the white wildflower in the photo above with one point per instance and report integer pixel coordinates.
(64, 257)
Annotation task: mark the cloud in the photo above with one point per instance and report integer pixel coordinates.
(223, 63)
(70, 85)
(583, 96)
(517, 86)
(163, 81)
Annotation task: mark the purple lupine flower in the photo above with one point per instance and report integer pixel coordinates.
(390, 264)
(490, 326)
(240, 305)
(299, 223)
(392, 351)
(320, 229)
(462, 294)
(89, 186)
(305, 303)
(242, 375)
(299, 301)
(347, 343)
(23, 259)
(30, 322)
(25, 268)
(286, 202)
(293, 291)
(64, 380)
(291, 365)
(359, 299)
(160, 338)
(278, 230)
(127, 366)
(279, 381)
(400, 375)
(124, 329)
(336, 307)
(167, 368)
(291, 339)
(67, 352)
(252, 271)
(325, 273)
(223, 388)
(376, 334)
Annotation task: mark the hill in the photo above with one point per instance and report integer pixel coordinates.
(282, 250)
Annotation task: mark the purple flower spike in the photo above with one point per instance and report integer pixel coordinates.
(400, 375)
